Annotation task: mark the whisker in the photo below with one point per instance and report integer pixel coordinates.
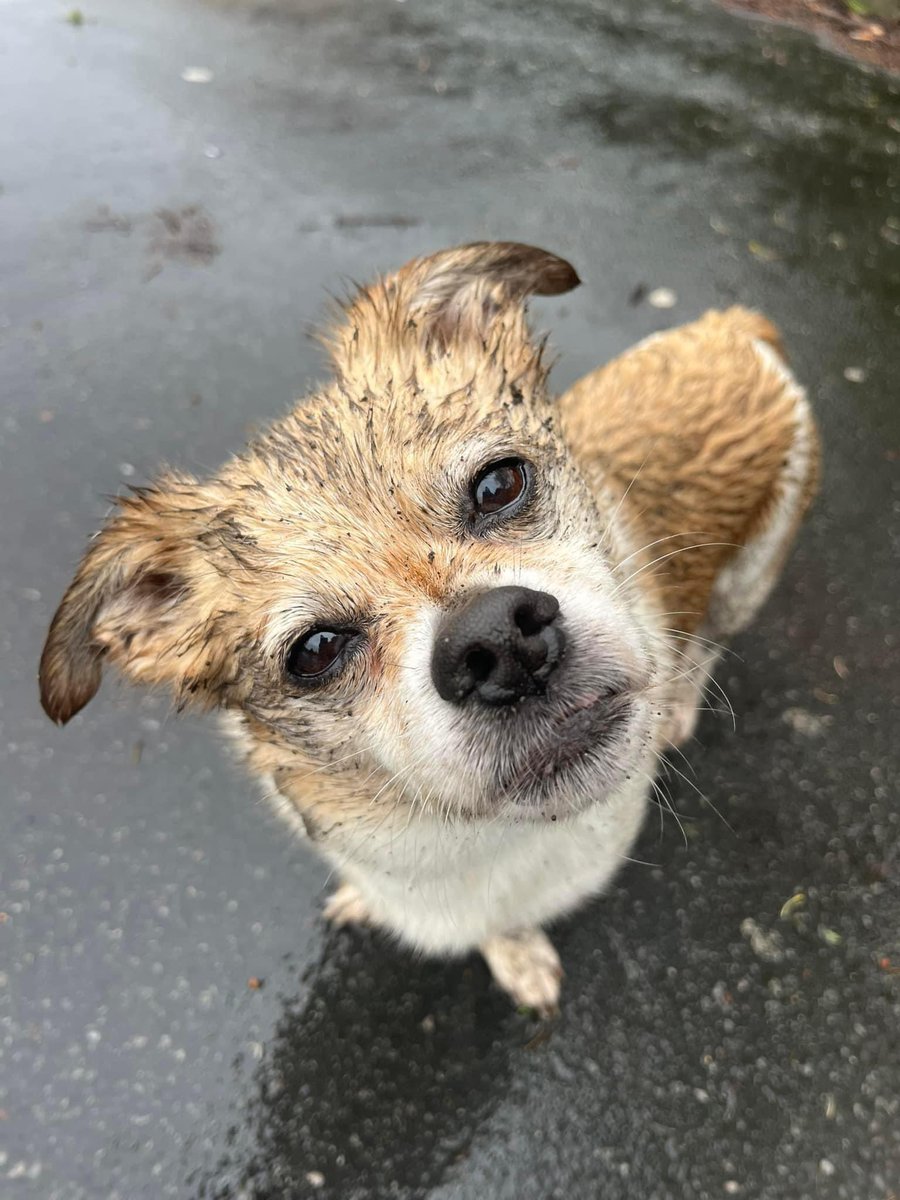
(336, 761)
(624, 496)
(666, 806)
(668, 538)
(683, 635)
(670, 554)
(706, 800)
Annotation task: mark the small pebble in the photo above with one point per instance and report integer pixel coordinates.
(197, 75)
(854, 374)
(806, 723)
(662, 297)
(315, 1179)
(767, 946)
(763, 253)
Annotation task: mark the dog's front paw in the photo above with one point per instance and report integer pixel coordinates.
(527, 967)
(346, 907)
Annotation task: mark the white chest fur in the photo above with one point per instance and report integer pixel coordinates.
(446, 888)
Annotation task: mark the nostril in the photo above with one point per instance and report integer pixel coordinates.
(527, 621)
(480, 663)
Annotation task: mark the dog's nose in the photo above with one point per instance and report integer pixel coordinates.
(502, 645)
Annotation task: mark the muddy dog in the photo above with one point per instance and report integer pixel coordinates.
(452, 620)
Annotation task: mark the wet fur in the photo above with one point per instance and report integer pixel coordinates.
(669, 485)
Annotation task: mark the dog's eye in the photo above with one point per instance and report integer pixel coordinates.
(318, 652)
(501, 487)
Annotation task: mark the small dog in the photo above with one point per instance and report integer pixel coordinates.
(453, 621)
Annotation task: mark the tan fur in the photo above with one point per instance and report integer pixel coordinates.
(692, 431)
(351, 512)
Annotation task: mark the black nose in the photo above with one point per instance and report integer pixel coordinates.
(503, 644)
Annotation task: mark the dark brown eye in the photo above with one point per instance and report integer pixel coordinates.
(318, 652)
(501, 487)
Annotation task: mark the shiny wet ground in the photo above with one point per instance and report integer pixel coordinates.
(164, 246)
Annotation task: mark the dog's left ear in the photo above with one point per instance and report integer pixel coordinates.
(137, 600)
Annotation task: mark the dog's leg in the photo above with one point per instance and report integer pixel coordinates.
(346, 907)
(527, 967)
(523, 964)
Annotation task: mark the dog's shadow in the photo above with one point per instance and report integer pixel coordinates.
(384, 1067)
(376, 1078)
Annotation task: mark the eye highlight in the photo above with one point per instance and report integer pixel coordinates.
(319, 653)
(501, 488)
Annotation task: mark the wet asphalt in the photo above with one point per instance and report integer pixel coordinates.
(165, 246)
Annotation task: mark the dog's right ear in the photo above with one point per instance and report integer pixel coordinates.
(448, 298)
(459, 292)
(473, 281)
(131, 600)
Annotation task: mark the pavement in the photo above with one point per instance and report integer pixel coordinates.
(182, 183)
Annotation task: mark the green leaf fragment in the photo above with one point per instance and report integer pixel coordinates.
(792, 904)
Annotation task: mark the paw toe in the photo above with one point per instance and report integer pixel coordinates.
(346, 907)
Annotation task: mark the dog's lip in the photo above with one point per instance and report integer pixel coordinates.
(574, 731)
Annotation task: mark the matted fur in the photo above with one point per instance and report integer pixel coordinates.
(665, 484)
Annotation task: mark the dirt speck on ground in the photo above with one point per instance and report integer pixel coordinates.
(860, 34)
(186, 233)
(806, 723)
(105, 220)
(375, 221)
(765, 944)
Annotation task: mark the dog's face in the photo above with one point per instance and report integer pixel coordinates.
(404, 589)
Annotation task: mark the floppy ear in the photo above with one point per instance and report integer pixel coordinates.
(131, 600)
(451, 295)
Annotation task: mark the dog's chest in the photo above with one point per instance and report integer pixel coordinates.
(444, 888)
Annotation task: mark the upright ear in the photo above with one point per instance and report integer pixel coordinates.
(453, 294)
(463, 289)
(132, 599)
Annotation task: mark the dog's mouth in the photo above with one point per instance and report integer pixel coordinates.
(565, 742)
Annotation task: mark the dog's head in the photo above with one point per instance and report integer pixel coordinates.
(404, 588)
